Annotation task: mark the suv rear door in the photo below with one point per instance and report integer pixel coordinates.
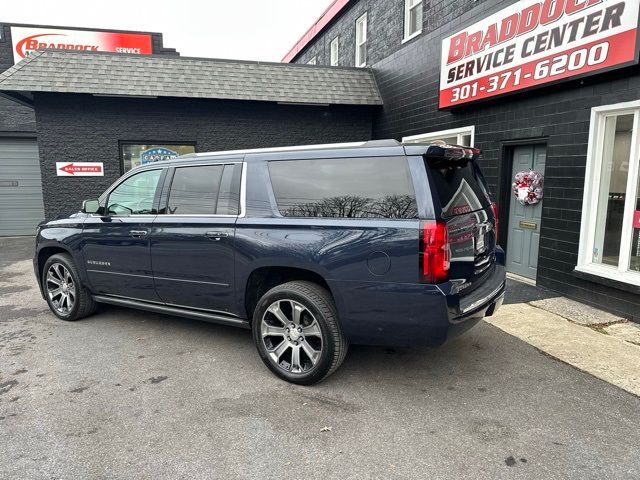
(462, 194)
(192, 240)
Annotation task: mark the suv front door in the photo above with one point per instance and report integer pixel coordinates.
(192, 242)
(115, 244)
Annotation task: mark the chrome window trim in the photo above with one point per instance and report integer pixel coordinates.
(243, 196)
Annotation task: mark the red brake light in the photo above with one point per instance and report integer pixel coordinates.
(494, 208)
(435, 252)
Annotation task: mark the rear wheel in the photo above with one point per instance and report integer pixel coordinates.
(296, 330)
(68, 299)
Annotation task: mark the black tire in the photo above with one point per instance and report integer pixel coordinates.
(83, 304)
(318, 302)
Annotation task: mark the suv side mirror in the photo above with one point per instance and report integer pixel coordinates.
(90, 206)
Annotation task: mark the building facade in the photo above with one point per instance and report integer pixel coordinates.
(580, 131)
(22, 203)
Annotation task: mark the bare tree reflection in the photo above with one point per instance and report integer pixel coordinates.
(353, 206)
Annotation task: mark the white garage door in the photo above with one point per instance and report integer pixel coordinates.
(21, 207)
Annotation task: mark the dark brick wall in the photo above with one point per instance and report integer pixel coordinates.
(385, 28)
(408, 78)
(84, 128)
(15, 117)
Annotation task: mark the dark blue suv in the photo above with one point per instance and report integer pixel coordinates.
(312, 248)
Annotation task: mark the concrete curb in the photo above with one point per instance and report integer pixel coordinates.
(603, 356)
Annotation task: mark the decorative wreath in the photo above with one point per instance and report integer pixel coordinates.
(527, 187)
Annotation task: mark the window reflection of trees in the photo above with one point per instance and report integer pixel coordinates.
(354, 206)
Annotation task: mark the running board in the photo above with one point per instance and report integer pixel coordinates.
(180, 312)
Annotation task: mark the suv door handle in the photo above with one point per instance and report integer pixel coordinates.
(216, 235)
(137, 233)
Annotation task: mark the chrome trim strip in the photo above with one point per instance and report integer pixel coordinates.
(483, 300)
(158, 278)
(119, 273)
(190, 281)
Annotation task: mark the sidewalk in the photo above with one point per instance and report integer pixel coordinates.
(589, 339)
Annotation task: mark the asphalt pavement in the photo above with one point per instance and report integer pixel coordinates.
(129, 394)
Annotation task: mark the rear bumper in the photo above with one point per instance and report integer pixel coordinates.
(414, 314)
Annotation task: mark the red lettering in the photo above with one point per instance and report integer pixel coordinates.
(552, 10)
(574, 6)
(529, 19)
(473, 43)
(490, 38)
(457, 46)
(509, 28)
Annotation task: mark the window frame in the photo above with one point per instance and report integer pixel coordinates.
(334, 61)
(591, 195)
(458, 132)
(313, 60)
(164, 201)
(412, 173)
(362, 19)
(156, 195)
(408, 8)
(122, 143)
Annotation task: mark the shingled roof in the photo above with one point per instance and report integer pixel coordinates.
(167, 76)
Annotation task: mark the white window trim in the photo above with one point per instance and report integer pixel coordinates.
(589, 202)
(313, 61)
(459, 132)
(335, 41)
(361, 19)
(407, 13)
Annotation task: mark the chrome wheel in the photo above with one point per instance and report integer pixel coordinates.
(61, 288)
(292, 336)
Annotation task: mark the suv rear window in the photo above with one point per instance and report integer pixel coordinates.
(460, 186)
(378, 187)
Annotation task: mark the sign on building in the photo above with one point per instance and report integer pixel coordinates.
(533, 43)
(79, 169)
(28, 39)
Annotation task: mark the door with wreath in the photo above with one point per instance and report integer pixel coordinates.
(525, 210)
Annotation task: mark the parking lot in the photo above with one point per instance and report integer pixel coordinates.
(129, 394)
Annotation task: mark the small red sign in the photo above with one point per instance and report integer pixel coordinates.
(80, 169)
(636, 219)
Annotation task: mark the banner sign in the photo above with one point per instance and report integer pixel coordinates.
(28, 39)
(535, 42)
(80, 169)
(156, 154)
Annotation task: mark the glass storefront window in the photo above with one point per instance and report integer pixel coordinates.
(616, 149)
(610, 228)
(135, 154)
(634, 257)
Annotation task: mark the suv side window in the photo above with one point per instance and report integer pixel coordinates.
(205, 190)
(135, 195)
(375, 187)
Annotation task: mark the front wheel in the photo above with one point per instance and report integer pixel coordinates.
(68, 299)
(297, 333)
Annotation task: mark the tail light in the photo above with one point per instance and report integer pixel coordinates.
(435, 252)
(494, 208)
